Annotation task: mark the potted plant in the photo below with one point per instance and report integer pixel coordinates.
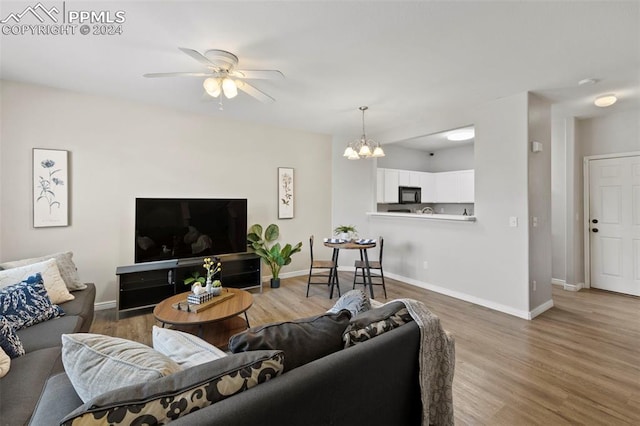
(347, 232)
(272, 254)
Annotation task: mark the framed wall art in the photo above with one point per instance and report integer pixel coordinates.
(285, 193)
(50, 188)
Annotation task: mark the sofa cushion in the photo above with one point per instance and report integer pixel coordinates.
(9, 340)
(185, 349)
(355, 301)
(57, 400)
(47, 334)
(375, 322)
(97, 364)
(53, 282)
(65, 264)
(21, 388)
(5, 363)
(302, 340)
(160, 401)
(82, 306)
(27, 303)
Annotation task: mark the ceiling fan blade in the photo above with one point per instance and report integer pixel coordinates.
(178, 74)
(258, 74)
(197, 56)
(252, 91)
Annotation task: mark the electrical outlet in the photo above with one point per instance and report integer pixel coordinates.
(425, 264)
(534, 221)
(513, 221)
(535, 285)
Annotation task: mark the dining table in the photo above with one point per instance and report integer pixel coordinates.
(354, 244)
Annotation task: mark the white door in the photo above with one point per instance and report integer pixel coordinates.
(614, 224)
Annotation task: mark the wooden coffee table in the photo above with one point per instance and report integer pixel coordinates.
(221, 320)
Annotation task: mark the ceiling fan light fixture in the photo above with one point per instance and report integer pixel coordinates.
(461, 135)
(605, 100)
(229, 88)
(212, 86)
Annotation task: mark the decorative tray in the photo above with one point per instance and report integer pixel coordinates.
(183, 305)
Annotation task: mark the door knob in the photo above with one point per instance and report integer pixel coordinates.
(595, 229)
(595, 221)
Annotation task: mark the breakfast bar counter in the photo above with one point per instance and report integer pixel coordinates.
(424, 216)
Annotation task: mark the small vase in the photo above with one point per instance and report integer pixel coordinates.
(216, 291)
(208, 287)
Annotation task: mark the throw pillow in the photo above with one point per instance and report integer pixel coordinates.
(302, 341)
(9, 340)
(185, 349)
(375, 322)
(53, 282)
(355, 301)
(163, 400)
(67, 268)
(27, 303)
(5, 363)
(97, 364)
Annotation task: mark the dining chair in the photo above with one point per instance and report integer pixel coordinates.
(322, 272)
(377, 278)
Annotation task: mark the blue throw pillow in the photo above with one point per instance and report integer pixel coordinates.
(9, 341)
(27, 303)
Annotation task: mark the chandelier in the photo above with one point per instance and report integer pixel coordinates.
(363, 147)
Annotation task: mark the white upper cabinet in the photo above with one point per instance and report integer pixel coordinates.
(442, 187)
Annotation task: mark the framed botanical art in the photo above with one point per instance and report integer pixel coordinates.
(50, 188)
(285, 193)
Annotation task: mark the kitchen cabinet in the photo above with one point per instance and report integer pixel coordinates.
(391, 184)
(466, 184)
(455, 187)
(428, 185)
(443, 187)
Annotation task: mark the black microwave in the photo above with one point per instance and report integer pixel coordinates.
(409, 195)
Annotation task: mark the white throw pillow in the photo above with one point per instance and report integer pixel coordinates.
(184, 348)
(5, 363)
(97, 364)
(53, 282)
(66, 266)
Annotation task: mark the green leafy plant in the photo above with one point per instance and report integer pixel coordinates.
(273, 254)
(195, 278)
(345, 229)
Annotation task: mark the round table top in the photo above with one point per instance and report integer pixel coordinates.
(239, 303)
(350, 245)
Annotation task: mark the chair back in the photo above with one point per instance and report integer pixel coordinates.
(311, 247)
(381, 240)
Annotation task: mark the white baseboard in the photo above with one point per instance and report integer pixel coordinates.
(267, 278)
(574, 287)
(557, 281)
(540, 309)
(101, 306)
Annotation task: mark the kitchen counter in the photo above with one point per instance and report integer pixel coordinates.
(425, 216)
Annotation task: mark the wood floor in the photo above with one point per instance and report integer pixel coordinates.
(578, 363)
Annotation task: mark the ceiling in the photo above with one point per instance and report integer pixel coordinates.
(404, 59)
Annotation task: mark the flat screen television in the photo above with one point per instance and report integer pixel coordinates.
(175, 228)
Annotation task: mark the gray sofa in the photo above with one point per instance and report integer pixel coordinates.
(21, 387)
(373, 383)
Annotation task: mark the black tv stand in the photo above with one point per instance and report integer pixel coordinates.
(144, 285)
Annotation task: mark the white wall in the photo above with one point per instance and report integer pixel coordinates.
(539, 204)
(443, 160)
(558, 198)
(121, 150)
(487, 261)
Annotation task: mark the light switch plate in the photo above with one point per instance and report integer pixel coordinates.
(513, 221)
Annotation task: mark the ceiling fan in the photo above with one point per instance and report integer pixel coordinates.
(222, 75)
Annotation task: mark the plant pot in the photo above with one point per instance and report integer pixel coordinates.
(216, 291)
(275, 282)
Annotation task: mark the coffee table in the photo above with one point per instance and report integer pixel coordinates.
(222, 319)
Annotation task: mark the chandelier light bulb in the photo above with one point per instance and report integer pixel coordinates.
(378, 152)
(353, 156)
(348, 152)
(364, 151)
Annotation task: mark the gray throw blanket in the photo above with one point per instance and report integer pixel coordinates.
(437, 362)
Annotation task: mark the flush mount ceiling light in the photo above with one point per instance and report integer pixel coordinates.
(461, 135)
(605, 101)
(363, 147)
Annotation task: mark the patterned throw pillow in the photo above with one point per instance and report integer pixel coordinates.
(355, 301)
(5, 363)
(374, 322)
(185, 349)
(53, 282)
(9, 341)
(163, 400)
(27, 303)
(97, 364)
(67, 268)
